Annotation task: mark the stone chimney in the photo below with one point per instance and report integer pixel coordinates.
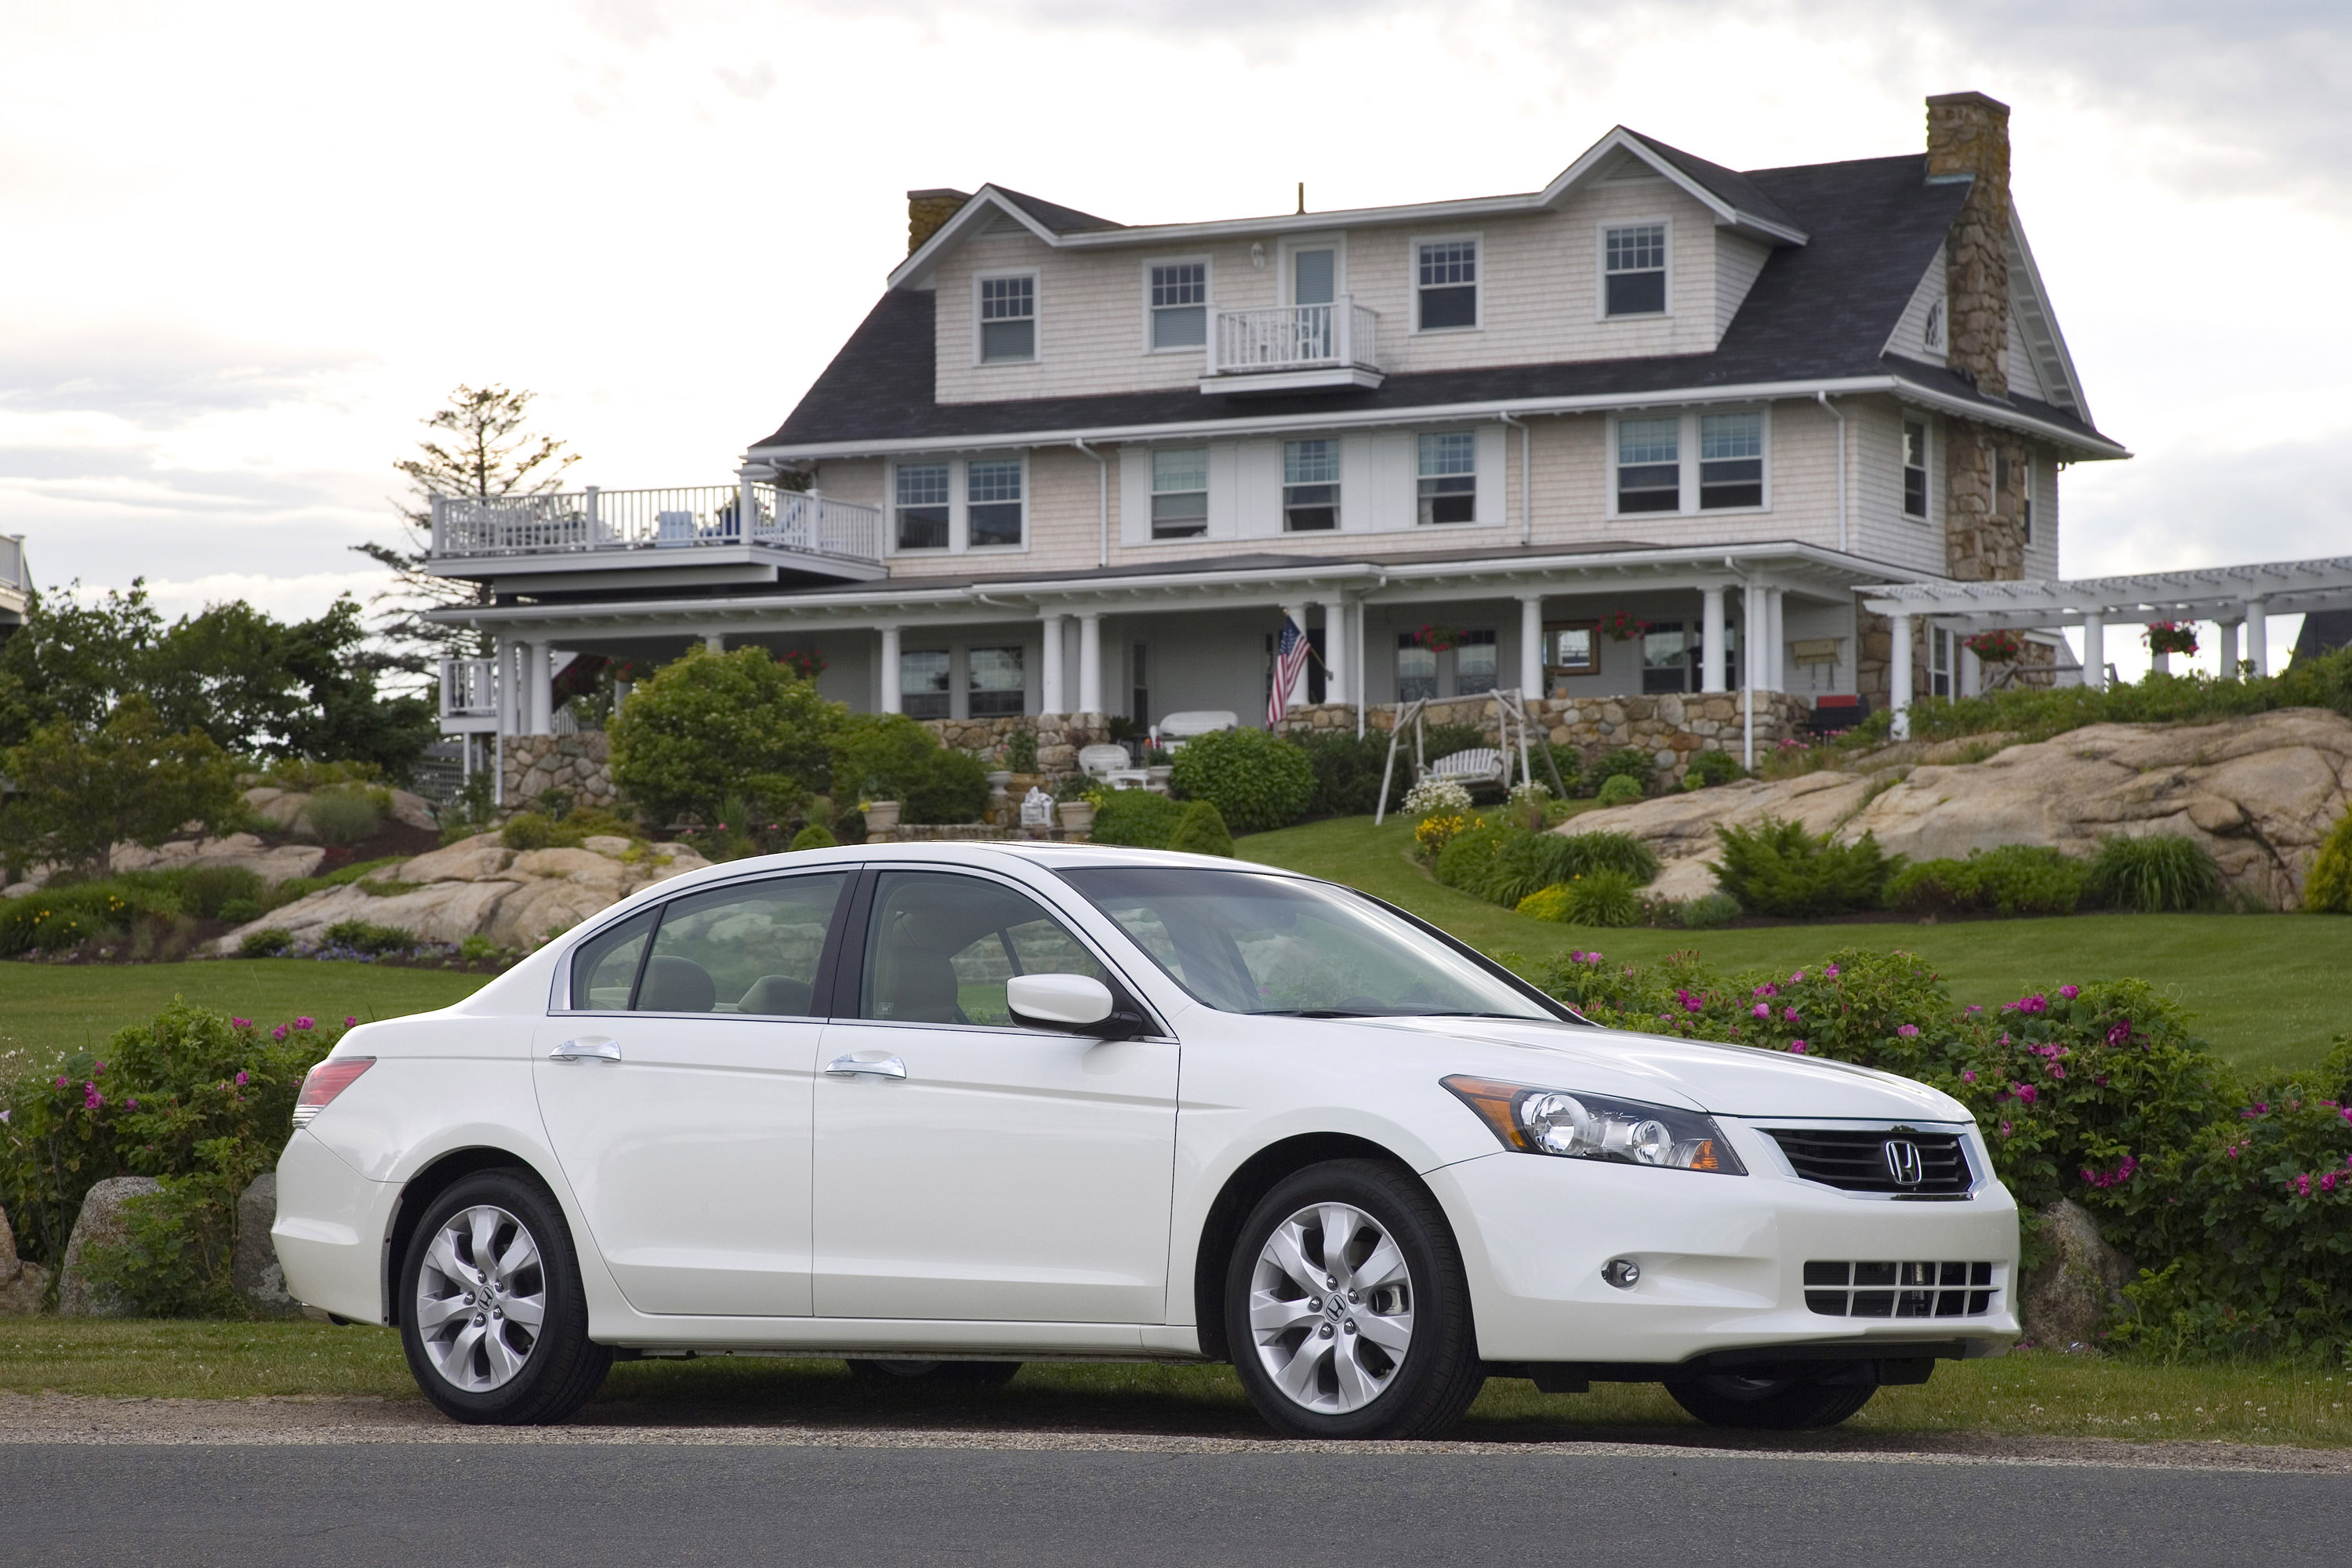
(927, 210)
(1968, 135)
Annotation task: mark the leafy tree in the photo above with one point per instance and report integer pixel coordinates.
(84, 790)
(483, 450)
(880, 757)
(713, 725)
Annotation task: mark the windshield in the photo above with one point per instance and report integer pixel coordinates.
(1243, 942)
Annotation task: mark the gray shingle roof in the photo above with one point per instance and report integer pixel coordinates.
(1054, 215)
(1730, 184)
(1817, 311)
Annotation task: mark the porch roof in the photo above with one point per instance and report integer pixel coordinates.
(2198, 594)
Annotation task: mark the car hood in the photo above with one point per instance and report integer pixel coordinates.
(1732, 1081)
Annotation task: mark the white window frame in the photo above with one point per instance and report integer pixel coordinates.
(1475, 477)
(1335, 242)
(1687, 448)
(1696, 428)
(1925, 517)
(955, 508)
(961, 533)
(1208, 266)
(2026, 494)
(1338, 483)
(1152, 492)
(1036, 317)
(1600, 265)
(1476, 240)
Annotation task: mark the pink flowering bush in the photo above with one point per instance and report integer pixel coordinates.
(200, 1099)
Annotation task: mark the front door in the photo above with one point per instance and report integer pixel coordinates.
(679, 1105)
(967, 1168)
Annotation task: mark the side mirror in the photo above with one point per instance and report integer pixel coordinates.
(1075, 1003)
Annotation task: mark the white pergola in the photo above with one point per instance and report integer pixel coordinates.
(2231, 597)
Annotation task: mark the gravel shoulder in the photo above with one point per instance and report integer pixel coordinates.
(73, 1420)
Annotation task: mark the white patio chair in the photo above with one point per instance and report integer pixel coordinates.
(1101, 761)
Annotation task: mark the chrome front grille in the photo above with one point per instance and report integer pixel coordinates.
(1892, 1161)
(1900, 1289)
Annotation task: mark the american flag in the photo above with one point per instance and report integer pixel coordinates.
(1289, 664)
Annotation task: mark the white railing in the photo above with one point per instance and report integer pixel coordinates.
(682, 518)
(1294, 337)
(469, 688)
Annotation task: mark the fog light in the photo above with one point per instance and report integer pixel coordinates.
(1622, 1273)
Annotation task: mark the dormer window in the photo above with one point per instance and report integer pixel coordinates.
(1008, 318)
(1446, 286)
(1634, 268)
(1179, 305)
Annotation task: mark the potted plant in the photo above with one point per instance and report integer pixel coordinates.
(1159, 767)
(1621, 626)
(1996, 647)
(2171, 636)
(1437, 639)
(1075, 801)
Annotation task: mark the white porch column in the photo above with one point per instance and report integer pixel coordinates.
(621, 690)
(1531, 650)
(1751, 623)
(1776, 677)
(1297, 697)
(1710, 640)
(1049, 668)
(889, 662)
(2258, 635)
(539, 686)
(1898, 677)
(2226, 646)
(2094, 651)
(715, 641)
(1335, 649)
(509, 688)
(1090, 696)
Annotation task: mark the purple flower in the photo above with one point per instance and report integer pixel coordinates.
(98, 1070)
(1908, 1031)
(2005, 1129)
(2232, 1151)
(1762, 1009)
(61, 1083)
(2303, 1184)
(2121, 1033)
(1789, 1015)
(91, 1099)
(241, 1080)
(1830, 971)
(1767, 989)
(130, 1105)
(2026, 1093)
(278, 1033)
(303, 1024)
(1967, 1075)
(2057, 1072)
(1798, 978)
(1976, 1007)
(1798, 1046)
(2070, 992)
(2327, 1183)
(350, 1020)
(240, 1022)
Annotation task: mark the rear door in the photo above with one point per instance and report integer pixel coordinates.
(677, 1094)
(968, 1168)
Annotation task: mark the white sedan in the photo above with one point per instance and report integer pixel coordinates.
(943, 1109)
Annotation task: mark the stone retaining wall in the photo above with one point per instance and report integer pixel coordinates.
(580, 765)
(1059, 737)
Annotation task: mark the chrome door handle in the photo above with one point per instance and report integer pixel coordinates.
(849, 1066)
(586, 1050)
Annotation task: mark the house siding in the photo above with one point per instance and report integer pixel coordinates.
(1909, 337)
(2024, 371)
(1881, 530)
(1738, 260)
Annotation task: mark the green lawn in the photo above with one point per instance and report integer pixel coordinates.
(2030, 1393)
(2266, 990)
(50, 1008)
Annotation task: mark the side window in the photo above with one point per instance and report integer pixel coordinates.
(604, 969)
(941, 947)
(752, 949)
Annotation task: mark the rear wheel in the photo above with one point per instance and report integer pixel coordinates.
(1769, 1403)
(967, 1373)
(492, 1316)
(1346, 1307)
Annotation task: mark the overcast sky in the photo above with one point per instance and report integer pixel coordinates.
(246, 247)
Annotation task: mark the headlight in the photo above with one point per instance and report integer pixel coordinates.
(1593, 1127)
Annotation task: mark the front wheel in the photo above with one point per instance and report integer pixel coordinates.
(1769, 1403)
(493, 1317)
(967, 1373)
(1346, 1307)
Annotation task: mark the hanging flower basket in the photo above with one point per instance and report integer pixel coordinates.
(1996, 648)
(1437, 639)
(806, 663)
(1621, 626)
(2171, 636)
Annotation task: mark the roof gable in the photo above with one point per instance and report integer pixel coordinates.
(1735, 199)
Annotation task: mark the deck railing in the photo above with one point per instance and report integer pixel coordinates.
(1296, 337)
(469, 688)
(681, 517)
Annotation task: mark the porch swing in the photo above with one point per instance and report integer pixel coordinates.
(1479, 764)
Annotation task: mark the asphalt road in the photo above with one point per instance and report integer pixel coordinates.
(485, 1506)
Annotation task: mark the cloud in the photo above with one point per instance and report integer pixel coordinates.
(158, 375)
(753, 84)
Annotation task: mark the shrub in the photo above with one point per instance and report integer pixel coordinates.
(880, 757)
(1021, 752)
(365, 936)
(1432, 834)
(1436, 798)
(2329, 889)
(1138, 818)
(1546, 904)
(815, 835)
(530, 830)
(1347, 772)
(80, 790)
(1503, 863)
(1625, 762)
(715, 724)
(1619, 789)
(1604, 898)
(1708, 912)
(2154, 873)
(1255, 780)
(1585, 853)
(1777, 868)
(1202, 831)
(2013, 879)
(951, 787)
(267, 942)
(345, 813)
(477, 948)
(238, 911)
(206, 891)
(1710, 768)
(61, 918)
(1564, 758)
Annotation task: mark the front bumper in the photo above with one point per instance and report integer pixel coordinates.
(1722, 1261)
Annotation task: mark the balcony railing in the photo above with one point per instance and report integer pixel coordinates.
(1339, 336)
(693, 517)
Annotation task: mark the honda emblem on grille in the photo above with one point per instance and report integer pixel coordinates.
(1903, 1161)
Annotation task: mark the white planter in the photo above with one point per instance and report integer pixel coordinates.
(1078, 816)
(881, 816)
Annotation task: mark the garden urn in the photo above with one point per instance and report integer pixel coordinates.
(1078, 816)
(881, 816)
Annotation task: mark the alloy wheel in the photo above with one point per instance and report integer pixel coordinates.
(481, 1299)
(1330, 1308)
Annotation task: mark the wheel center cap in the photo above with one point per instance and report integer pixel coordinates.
(1333, 1308)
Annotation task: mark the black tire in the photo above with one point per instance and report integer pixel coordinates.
(965, 1374)
(560, 1366)
(1439, 1374)
(1769, 1403)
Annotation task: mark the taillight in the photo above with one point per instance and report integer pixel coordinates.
(325, 1081)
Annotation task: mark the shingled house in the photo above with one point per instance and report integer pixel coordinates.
(1641, 431)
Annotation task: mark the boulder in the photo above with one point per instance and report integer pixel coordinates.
(467, 860)
(101, 1223)
(273, 866)
(22, 1285)
(2260, 793)
(413, 810)
(281, 807)
(254, 1268)
(2080, 1280)
(443, 912)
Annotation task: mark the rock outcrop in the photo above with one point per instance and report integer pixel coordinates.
(2063, 1302)
(254, 1269)
(103, 1222)
(2260, 793)
(22, 1285)
(477, 886)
